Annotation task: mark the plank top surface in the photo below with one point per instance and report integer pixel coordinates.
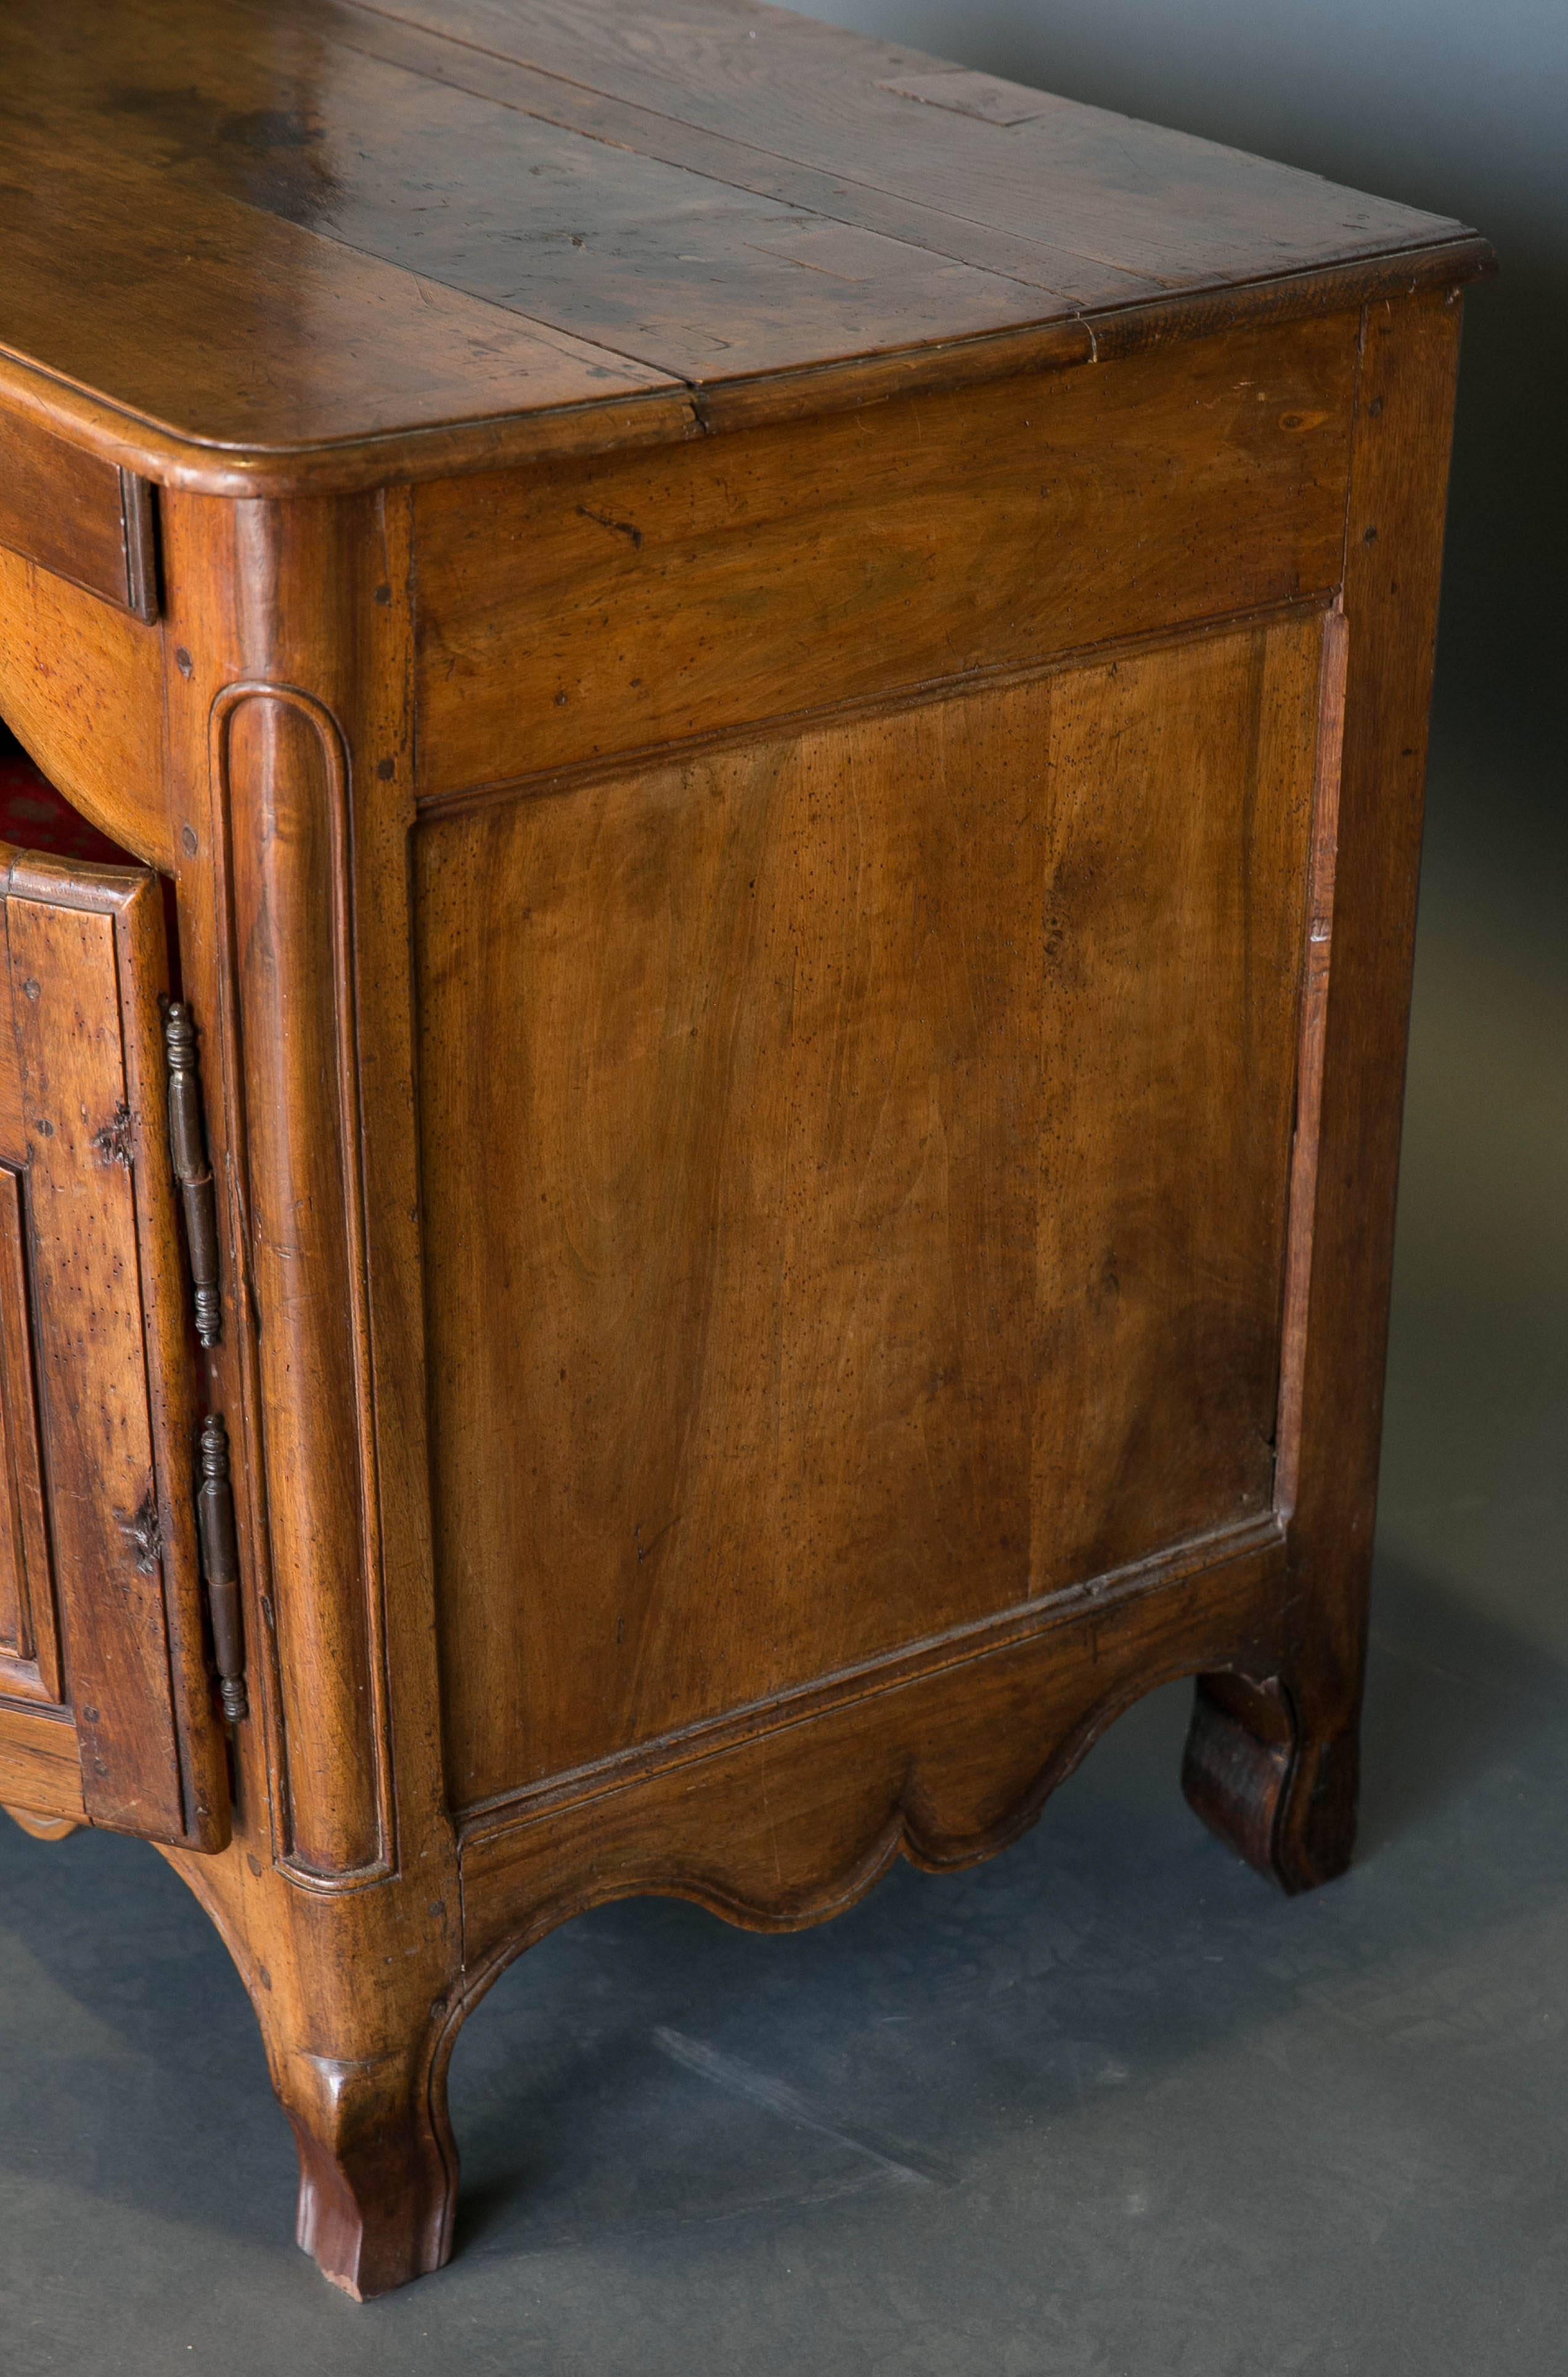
(272, 228)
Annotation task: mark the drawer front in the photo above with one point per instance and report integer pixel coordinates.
(78, 517)
(599, 607)
(101, 1610)
(856, 1169)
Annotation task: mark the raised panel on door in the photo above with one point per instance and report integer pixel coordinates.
(30, 1650)
(856, 1168)
(100, 1609)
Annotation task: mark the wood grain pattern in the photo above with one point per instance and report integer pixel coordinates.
(41, 1770)
(281, 773)
(293, 810)
(81, 685)
(348, 1969)
(1152, 202)
(614, 605)
(686, 273)
(1394, 551)
(85, 958)
(892, 1125)
(12, 1123)
(1322, 872)
(795, 1822)
(445, 235)
(30, 1650)
(319, 341)
(73, 514)
(96, 1427)
(802, 1074)
(1061, 281)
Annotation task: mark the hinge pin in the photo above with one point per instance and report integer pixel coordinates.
(221, 1565)
(188, 1146)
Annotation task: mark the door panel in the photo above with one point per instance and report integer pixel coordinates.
(91, 1301)
(856, 1169)
(30, 1656)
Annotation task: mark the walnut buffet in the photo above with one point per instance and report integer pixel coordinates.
(710, 1157)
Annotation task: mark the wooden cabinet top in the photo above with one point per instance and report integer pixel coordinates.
(273, 244)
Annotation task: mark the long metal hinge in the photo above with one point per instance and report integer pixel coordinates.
(188, 1147)
(221, 1565)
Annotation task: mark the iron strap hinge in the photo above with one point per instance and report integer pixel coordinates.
(221, 1565)
(215, 1494)
(187, 1148)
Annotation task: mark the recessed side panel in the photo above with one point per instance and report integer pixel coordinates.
(855, 1178)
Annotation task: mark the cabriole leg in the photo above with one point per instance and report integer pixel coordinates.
(378, 2169)
(355, 1996)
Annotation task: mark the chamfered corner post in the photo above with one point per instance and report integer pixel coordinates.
(290, 635)
(1273, 1765)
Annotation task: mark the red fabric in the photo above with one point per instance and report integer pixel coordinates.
(33, 816)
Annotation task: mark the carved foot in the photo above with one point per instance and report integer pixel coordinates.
(1283, 1798)
(378, 2170)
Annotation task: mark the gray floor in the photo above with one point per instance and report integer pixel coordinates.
(1107, 2106)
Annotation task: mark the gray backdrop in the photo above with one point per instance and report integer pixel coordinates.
(1460, 109)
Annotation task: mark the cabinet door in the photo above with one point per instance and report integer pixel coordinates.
(106, 1708)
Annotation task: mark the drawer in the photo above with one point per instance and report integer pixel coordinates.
(77, 516)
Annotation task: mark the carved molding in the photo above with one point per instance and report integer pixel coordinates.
(796, 1822)
(296, 1179)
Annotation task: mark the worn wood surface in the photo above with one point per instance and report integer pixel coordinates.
(638, 601)
(81, 685)
(96, 1422)
(339, 1895)
(791, 1822)
(102, 1331)
(40, 1768)
(1394, 550)
(1112, 202)
(801, 1017)
(434, 233)
(74, 515)
(861, 1165)
(296, 628)
(30, 1647)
